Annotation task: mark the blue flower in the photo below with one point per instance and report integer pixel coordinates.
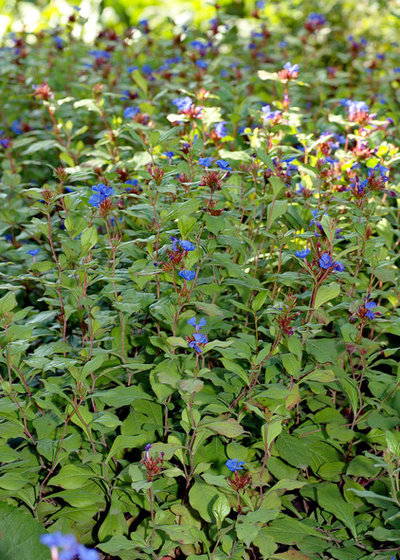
(201, 63)
(206, 161)
(96, 199)
(183, 103)
(200, 47)
(130, 112)
(5, 142)
(16, 127)
(303, 254)
(102, 192)
(188, 275)
(292, 68)
(267, 114)
(234, 465)
(133, 182)
(174, 243)
(224, 165)
(33, 252)
(369, 305)
(147, 69)
(317, 19)
(192, 321)
(126, 94)
(354, 107)
(98, 54)
(87, 553)
(57, 540)
(58, 42)
(220, 129)
(187, 245)
(338, 267)
(200, 338)
(69, 545)
(325, 261)
(169, 154)
(103, 189)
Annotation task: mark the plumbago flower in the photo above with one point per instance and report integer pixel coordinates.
(367, 309)
(224, 165)
(198, 340)
(183, 103)
(206, 161)
(238, 482)
(325, 262)
(131, 112)
(303, 253)
(314, 22)
(357, 111)
(33, 252)
(234, 465)
(102, 193)
(289, 72)
(270, 116)
(180, 249)
(220, 129)
(188, 275)
(70, 548)
(153, 464)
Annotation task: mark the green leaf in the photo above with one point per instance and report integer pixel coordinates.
(229, 427)
(126, 442)
(19, 535)
(287, 530)
(259, 301)
(326, 293)
(293, 450)
(121, 396)
(330, 499)
(277, 185)
(181, 534)
(140, 80)
(88, 239)
(202, 498)
(72, 477)
(265, 543)
(220, 510)
(276, 209)
(7, 303)
(230, 365)
(291, 364)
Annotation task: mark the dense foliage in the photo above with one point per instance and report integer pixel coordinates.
(200, 292)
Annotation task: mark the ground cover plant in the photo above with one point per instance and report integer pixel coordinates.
(199, 297)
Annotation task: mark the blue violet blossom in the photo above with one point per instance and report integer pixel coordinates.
(188, 275)
(234, 465)
(303, 253)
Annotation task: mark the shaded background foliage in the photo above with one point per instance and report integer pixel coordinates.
(97, 358)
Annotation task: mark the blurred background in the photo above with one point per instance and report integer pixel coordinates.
(377, 18)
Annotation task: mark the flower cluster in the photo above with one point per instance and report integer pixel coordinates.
(198, 340)
(153, 464)
(325, 262)
(102, 193)
(238, 482)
